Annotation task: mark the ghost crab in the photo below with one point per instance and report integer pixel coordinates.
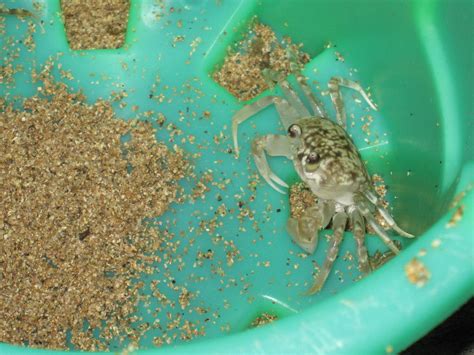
(327, 160)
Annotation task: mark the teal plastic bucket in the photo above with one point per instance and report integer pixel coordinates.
(415, 57)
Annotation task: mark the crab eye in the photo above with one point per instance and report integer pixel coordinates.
(294, 131)
(312, 158)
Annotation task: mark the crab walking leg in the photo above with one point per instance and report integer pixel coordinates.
(377, 228)
(272, 76)
(358, 228)
(275, 145)
(336, 97)
(339, 224)
(386, 215)
(287, 113)
(293, 99)
(316, 105)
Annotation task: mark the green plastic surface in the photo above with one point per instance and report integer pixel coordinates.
(416, 58)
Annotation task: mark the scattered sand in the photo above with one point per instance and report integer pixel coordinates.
(74, 197)
(94, 24)
(456, 217)
(417, 273)
(301, 198)
(263, 319)
(241, 72)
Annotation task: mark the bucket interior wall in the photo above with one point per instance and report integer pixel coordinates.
(412, 55)
(417, 65)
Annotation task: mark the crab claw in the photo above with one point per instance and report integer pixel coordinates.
(305, 230)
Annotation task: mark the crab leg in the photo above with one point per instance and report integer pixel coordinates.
(358, 227)
(293, 99)
(316, 105)
(272, 77)
(377, 228)
(339, 224)
(275, 145)
(386, 215)
(336, 97)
